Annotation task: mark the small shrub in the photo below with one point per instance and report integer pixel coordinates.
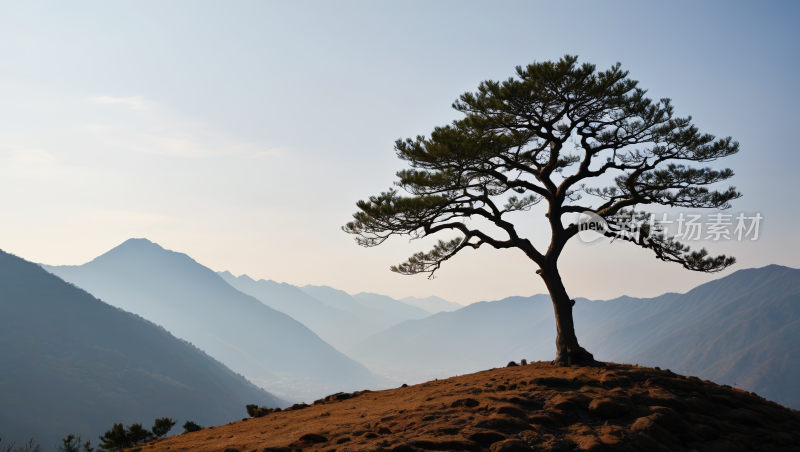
(190, 427)
(255, 411)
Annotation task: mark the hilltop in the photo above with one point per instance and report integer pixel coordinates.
(532, 407)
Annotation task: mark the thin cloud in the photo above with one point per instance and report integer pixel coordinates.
(157, 130)
(274, 152)
(128, 219)
(33, 164)
(135, 102)
(33, 169)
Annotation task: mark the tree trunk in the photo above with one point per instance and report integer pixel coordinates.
(568, 352)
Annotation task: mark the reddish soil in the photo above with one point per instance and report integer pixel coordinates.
(534, 407)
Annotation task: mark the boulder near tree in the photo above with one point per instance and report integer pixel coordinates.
(544, 136)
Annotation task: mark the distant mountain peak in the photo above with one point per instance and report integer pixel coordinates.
(143, 252)
(767, 268)
(373, 293)
(312, 286)
(432, 304)
(139, 242)
(135, 246)
(243, 277)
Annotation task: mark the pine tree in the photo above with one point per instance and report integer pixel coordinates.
(138, 434)
(73, 444)
(162, 426)
(513, 142)
(115, 439)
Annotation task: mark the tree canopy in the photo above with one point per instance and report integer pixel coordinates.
(553, 134)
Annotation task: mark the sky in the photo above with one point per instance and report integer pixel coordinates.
(242, 133)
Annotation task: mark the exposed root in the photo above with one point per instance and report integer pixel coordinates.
(576, 357)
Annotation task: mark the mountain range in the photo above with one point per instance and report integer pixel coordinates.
(337, 327)
(340, 299)
(390, 305)
(742, 329)
(479, 336)
(341, 319)
(432, 304)
(74, 364)
(194, 303)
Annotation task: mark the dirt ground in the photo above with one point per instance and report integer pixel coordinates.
(537, 406)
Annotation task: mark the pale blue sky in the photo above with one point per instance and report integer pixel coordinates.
(242, 133)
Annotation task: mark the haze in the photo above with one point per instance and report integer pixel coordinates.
(243, 133)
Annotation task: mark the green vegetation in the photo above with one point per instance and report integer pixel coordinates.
(255, 411)
(162, 426)
(30, 446)
(120, 437)
(72, 444)
(190, 427)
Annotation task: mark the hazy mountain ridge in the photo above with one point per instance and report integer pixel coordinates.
(597, 320)
(340, 299)
(72, 363)
(196, 304)
(478, 336)
(390, 305)
(335, 326)
(747, 322)
(432, 304)
(743, 329)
